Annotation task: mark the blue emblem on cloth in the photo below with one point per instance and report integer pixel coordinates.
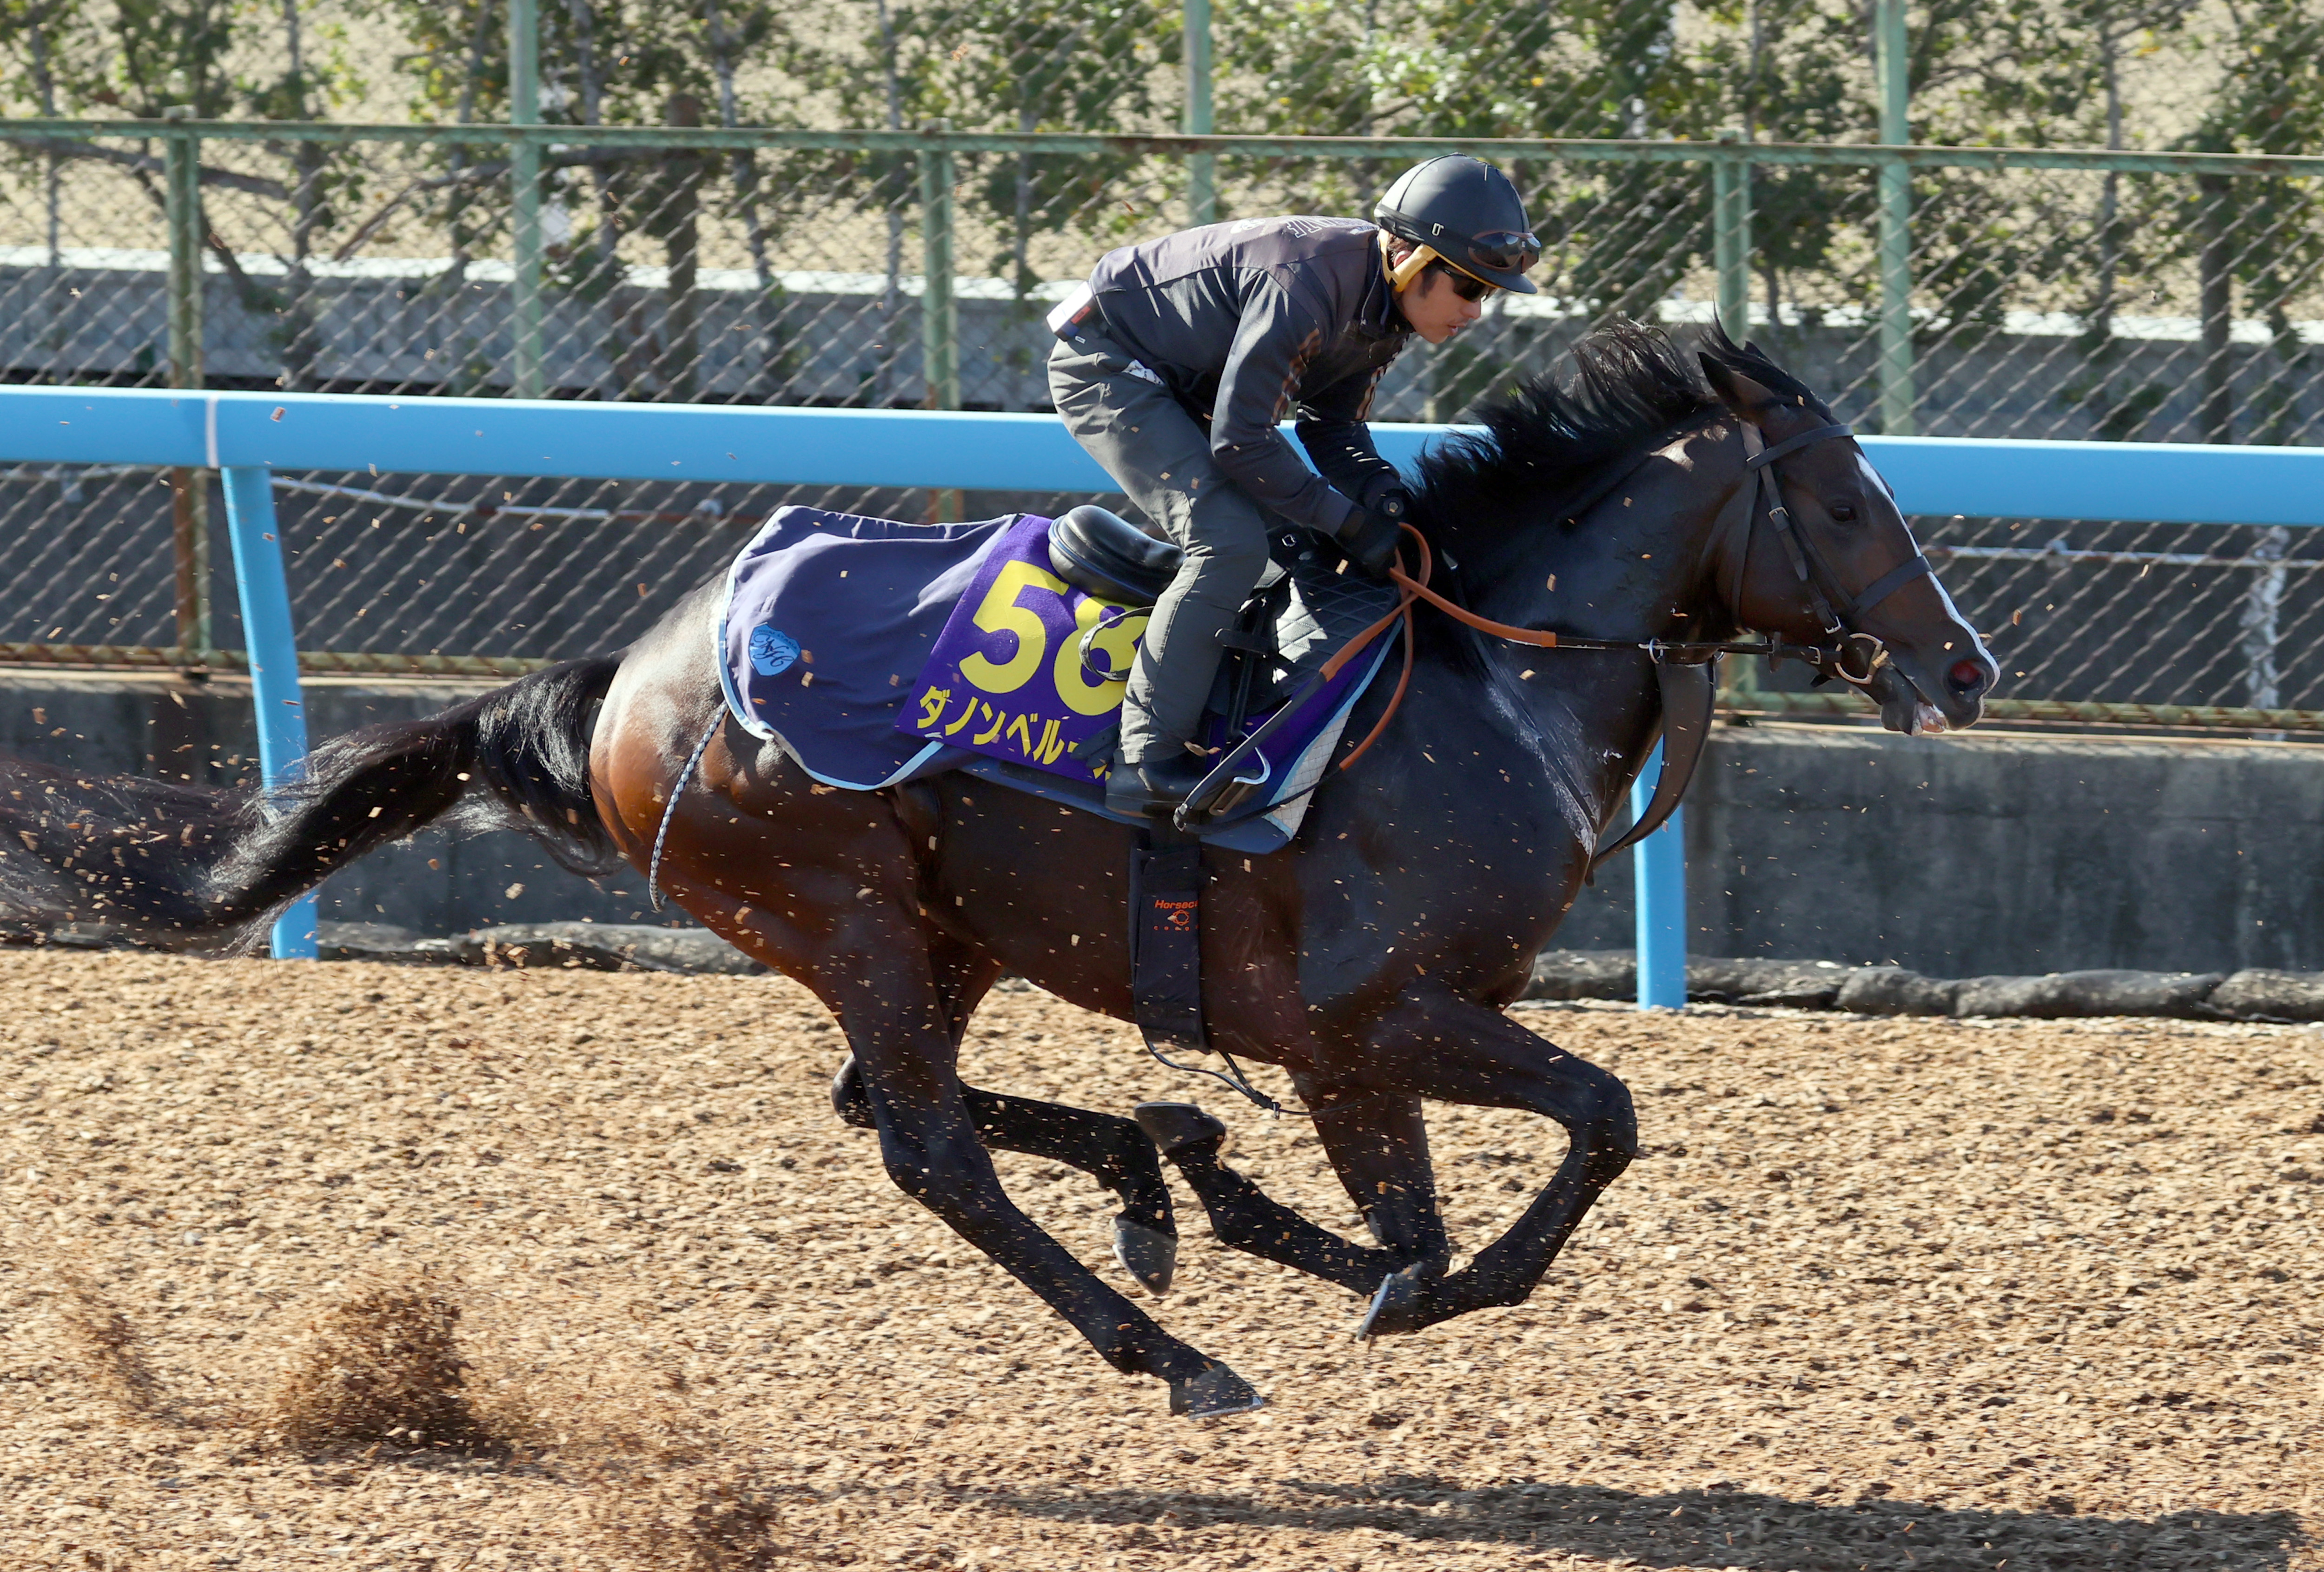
(772, 650)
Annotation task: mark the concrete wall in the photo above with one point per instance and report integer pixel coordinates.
(1995, 853)
(1957, 856)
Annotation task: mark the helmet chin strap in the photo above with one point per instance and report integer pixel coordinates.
(1401, 274)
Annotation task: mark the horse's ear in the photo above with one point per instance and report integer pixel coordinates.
(1746, 397)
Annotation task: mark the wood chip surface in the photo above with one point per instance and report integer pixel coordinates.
(1882, 1294)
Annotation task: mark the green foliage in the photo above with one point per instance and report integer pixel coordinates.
(48, 51)
(170, 52)
(1005, 65)
(1620, 236)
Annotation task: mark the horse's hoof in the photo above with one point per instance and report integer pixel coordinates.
(1396, 1307)
(1174, 1126)
(1214, 1394)
(1147, 1254)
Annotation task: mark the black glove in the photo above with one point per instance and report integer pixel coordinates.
(1369, 535)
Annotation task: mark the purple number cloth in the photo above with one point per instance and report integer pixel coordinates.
(875, 652)
(1013, 676)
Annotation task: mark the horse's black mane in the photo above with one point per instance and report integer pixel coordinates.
(1630, 383)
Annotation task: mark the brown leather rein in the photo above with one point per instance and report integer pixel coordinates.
(1688, 696)
(1683, 668)
(1416, 589)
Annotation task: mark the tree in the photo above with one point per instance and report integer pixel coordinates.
(53, 44)
(614, 62)
(143, 57)
(2265, 233)
(1619, 235)
(1015, 66)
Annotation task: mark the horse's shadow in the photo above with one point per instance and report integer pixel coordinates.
(1714, 1527)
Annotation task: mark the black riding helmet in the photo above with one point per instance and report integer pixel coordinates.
(1467, 212)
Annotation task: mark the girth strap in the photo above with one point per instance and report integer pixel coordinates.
(1165, 956)
(1166, 941)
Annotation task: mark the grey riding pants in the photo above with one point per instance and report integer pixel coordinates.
(1161, 457)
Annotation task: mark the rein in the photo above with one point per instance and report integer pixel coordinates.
(1687, 701)
(1414, 590)
(1807, 562)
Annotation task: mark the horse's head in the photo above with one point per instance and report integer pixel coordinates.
(1850, 559)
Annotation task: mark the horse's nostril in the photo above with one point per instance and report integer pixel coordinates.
(1965, 677)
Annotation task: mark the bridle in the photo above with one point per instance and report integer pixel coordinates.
(1845, 651)
(1840, 613)
(1682, 667)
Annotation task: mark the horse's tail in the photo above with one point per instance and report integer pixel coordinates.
(180, 864)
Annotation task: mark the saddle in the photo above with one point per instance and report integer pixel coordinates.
(1301, 612)
(1104, 553)
(1294, 621)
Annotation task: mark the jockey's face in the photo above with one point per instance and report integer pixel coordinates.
(1437, 305)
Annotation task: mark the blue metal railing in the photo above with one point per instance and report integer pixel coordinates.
(248, 436)
(2148, 482)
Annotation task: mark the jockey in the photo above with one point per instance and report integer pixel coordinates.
(1175, 362)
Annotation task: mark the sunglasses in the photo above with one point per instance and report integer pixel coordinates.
(1466, 287)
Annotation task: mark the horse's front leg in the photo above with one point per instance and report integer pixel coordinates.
(1455, 1050)
(1378, 1143)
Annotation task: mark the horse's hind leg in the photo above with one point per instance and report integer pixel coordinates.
(1246, 1217)
(874, 975)
(827, 890)
(1113, 1151)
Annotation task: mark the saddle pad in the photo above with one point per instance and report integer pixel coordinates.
(827, 620)
(1025, 672)
(1324, 607)
(875, 652)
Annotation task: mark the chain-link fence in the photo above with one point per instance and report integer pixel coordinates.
(683, 231)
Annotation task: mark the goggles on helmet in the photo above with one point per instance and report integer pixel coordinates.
(1508, 251)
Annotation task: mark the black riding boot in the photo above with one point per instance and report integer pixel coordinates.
(1155, 786)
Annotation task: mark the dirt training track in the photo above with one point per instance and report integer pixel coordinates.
(1882, 1294)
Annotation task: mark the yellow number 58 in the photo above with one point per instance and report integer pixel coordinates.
(999, 613)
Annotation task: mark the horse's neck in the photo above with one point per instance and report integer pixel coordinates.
(1581, 722)
(1631, 569)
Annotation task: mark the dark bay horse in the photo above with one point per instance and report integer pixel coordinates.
(1370, 959)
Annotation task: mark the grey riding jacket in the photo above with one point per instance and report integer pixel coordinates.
(1247, 321)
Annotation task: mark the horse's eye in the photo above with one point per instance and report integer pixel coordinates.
(1844, 512)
